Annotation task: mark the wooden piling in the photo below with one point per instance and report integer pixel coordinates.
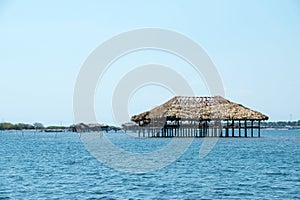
(245, 128)
(251, 128)
(258, 128)
(239, 128)
(232, 128)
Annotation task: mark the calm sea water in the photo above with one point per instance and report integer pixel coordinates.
(57, 166)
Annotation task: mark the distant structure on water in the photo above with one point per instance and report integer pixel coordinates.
(185, 116)
(81, 127)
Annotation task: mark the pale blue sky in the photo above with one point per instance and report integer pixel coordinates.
(255, 46)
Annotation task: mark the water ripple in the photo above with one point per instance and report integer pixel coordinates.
(42, 166)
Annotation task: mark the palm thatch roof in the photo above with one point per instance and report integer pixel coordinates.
(200, 108)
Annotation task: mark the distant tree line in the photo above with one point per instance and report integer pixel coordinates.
(19, 126)
(22, 126)
(281, 124)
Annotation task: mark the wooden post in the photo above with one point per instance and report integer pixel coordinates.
(258, 128)
(206, 129)
(139, 132)
(226, 132)
(251, 128)
(201, 130)
(239, 128)
(232, 128)
(245, 128)
(216, 131)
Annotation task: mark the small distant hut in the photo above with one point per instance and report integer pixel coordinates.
(185, 116)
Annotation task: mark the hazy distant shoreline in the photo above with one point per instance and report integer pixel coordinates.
(285, 125)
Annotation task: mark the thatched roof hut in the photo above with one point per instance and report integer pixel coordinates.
(184, 116)
(199, 108)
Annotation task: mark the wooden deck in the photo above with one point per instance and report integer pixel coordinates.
(206, 129)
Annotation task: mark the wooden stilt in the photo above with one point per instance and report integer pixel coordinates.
(232, 128)
(258, 128)
(245, 128)
(251, 128)
(227, 131)
(239, 128)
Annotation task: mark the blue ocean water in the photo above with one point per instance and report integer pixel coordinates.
(57, 166)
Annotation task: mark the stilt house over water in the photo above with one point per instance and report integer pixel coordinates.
(185, 116)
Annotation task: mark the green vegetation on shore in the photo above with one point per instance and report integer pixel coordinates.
(281, 124)
(22, 126)
(19, 126)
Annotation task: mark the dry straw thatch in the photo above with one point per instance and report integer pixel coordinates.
(200, 108)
